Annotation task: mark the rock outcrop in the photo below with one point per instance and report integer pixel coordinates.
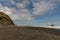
(5, 20)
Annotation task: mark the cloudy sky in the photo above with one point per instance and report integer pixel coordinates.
(32, 12)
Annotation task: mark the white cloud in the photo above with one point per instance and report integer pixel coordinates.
(12, 2)
(22, 14)
(21, 5)
(42, 6)
(6, 10)
(21, 17)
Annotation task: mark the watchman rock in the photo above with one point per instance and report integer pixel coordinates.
(5, 20)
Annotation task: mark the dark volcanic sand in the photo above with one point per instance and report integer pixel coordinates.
(28, 33)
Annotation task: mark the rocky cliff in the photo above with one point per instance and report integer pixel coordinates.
(5, 20)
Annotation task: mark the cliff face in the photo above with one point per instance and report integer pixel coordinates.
(5, 20)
